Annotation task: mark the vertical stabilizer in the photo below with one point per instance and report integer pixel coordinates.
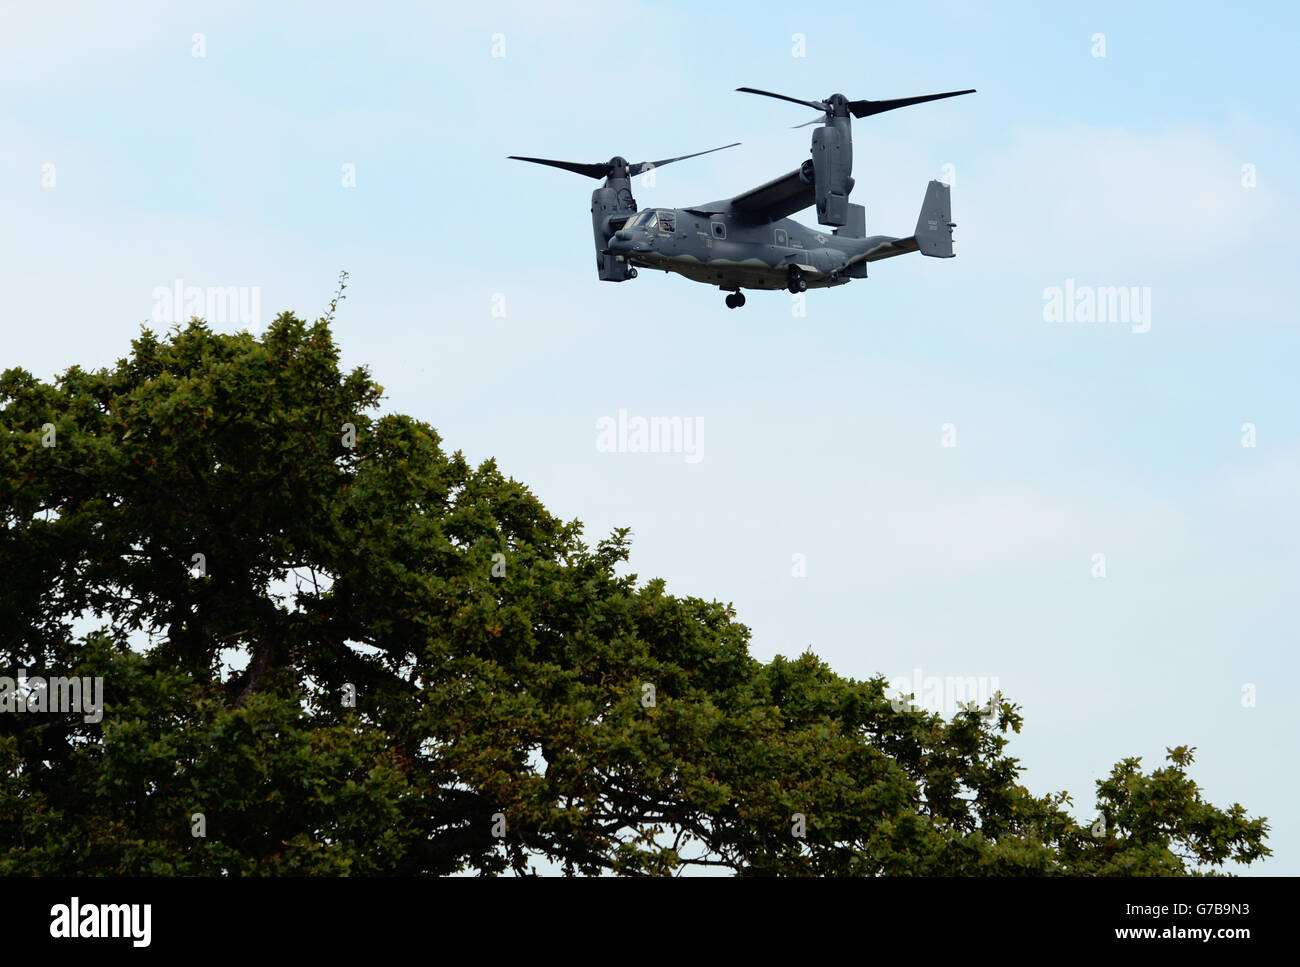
(934, 226)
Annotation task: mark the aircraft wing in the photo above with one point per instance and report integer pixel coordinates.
(779, 198)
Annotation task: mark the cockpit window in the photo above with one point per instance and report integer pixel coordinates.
(666, 221)
(650, 222)
(635, 220)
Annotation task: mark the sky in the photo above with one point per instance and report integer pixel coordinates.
(922, 474)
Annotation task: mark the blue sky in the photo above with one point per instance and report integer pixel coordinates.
(821, 432)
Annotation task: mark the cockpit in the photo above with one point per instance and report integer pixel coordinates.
(652, 219)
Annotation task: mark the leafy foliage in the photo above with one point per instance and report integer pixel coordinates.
(500, 667)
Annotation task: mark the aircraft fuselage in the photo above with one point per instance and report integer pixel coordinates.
(732, 252)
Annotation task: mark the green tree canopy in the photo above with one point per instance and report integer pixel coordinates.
(516, 698)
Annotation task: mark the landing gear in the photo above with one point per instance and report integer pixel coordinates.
(631, 273)
(797, 282)
(735, 300)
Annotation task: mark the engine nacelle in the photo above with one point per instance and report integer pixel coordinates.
(612, 199)
(832, 158)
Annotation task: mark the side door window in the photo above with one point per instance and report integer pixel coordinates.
(778, 237)
(719, 230)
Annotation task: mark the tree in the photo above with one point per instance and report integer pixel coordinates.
(328, 646)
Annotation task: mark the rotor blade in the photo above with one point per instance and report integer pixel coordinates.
(821, 120)
(591, 171)
(637, 169)
(815, 105)
(862, 109)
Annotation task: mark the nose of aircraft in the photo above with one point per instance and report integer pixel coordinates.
(626, 240)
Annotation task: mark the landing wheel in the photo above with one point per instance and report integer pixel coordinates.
(798, 284)
(731, 300)
(631, 273)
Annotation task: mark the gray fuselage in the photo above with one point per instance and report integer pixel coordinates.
(733, 251)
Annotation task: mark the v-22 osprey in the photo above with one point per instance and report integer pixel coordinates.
(749, 241)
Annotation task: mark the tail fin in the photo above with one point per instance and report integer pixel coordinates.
(935, 225)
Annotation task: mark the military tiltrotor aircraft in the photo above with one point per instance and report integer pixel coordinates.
(749, 241)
